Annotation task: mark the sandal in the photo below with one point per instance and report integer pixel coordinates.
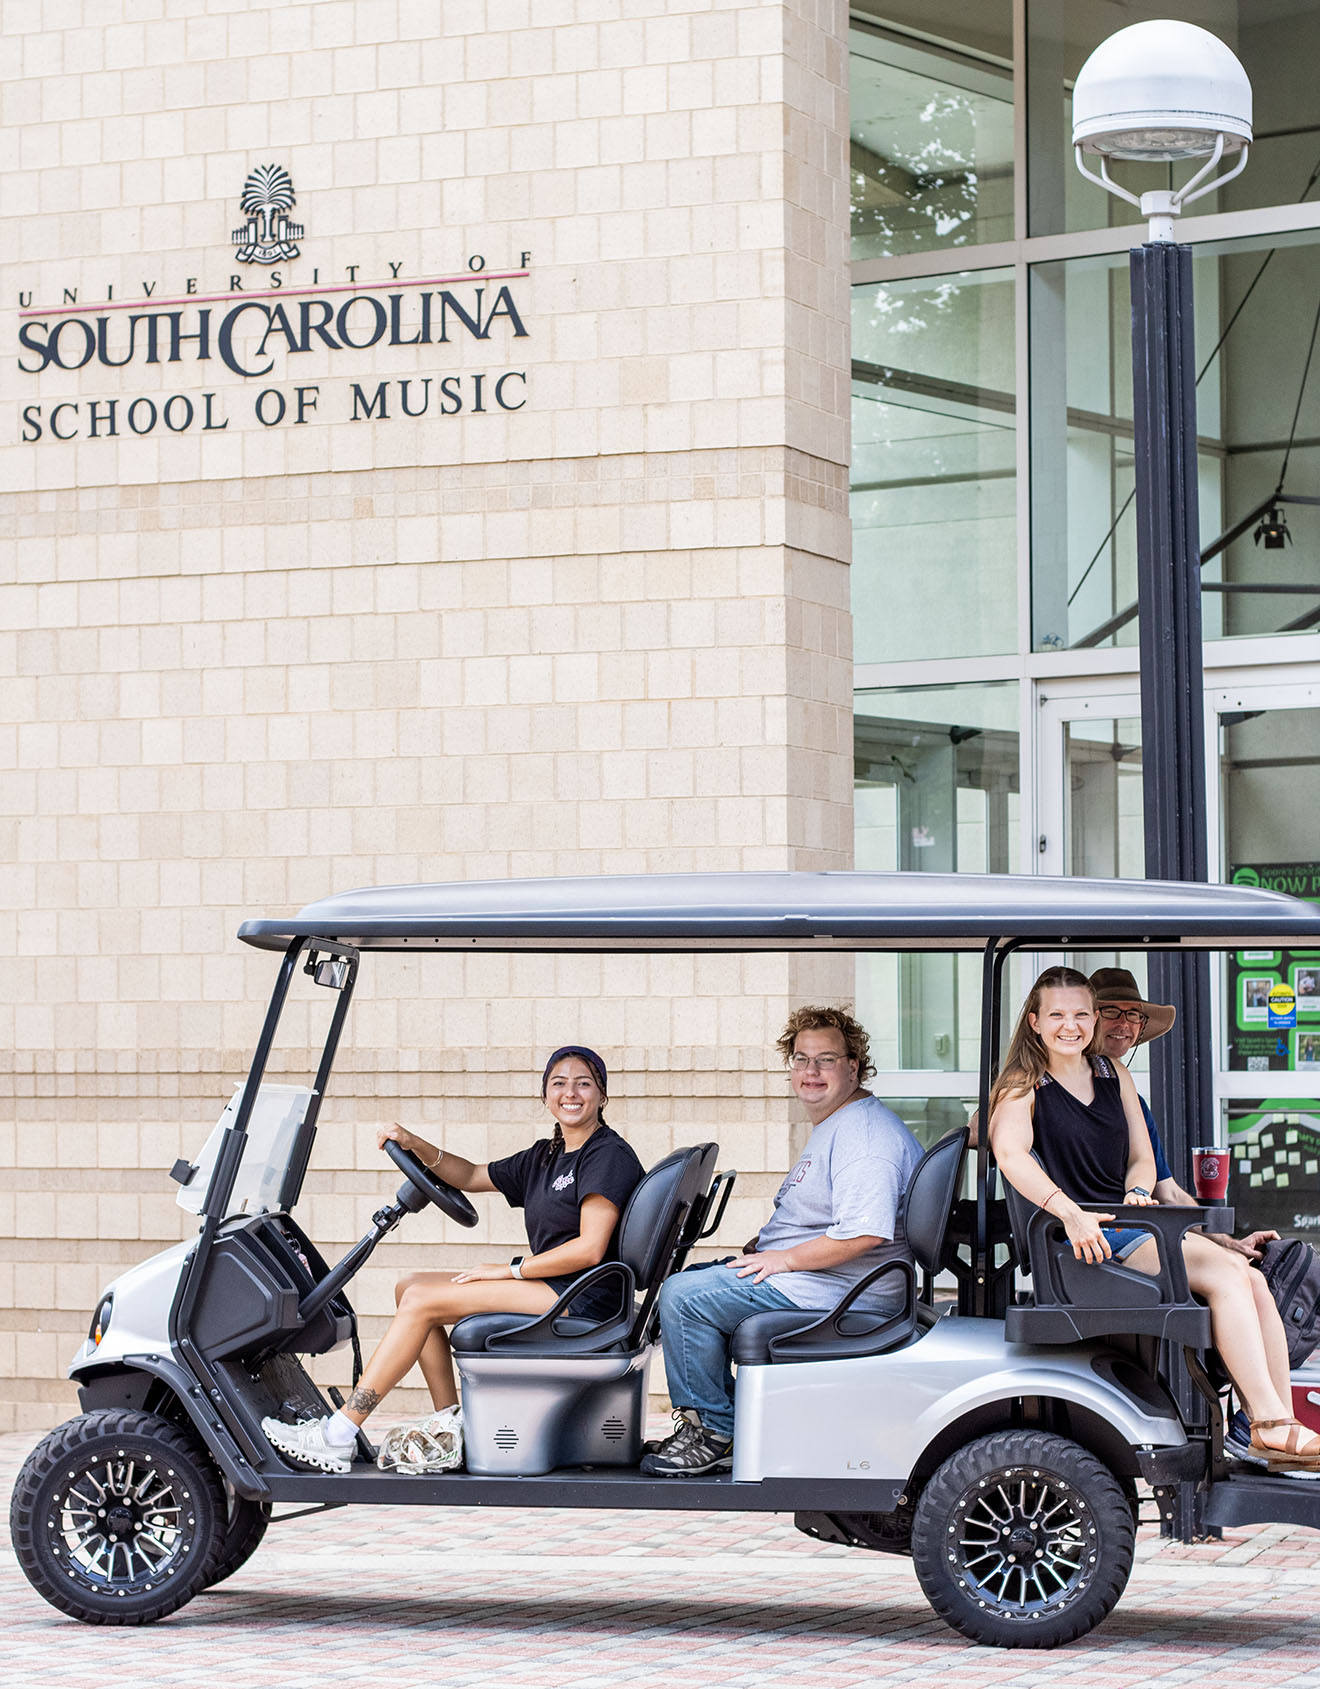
(1288, 1455)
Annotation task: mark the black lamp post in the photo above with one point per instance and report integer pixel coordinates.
(1160, 92)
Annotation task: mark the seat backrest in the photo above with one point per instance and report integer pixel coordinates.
(931, 1193)
(653, 1221)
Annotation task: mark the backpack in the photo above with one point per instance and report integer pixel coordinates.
(1292, 1271)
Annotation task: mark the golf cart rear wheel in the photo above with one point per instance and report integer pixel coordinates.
(1023, 1539)
(116, 1518)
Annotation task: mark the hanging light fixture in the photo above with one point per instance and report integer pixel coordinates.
(1272, 529)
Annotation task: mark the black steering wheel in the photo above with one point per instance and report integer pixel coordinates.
(446, 1198)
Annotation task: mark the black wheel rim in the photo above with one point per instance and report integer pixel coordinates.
(121, 1523)
(1022, 1543)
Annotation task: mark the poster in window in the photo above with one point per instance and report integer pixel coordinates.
(1273, 1001)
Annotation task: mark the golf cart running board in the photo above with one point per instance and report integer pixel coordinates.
(624, 1488)
(1268, 1498)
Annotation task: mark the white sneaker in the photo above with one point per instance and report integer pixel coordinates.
(306, 1443)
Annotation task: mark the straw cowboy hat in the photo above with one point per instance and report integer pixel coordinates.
(1116, 985)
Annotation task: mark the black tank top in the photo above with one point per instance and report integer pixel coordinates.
(1083, 1146)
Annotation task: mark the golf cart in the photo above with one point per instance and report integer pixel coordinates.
(996, 1438)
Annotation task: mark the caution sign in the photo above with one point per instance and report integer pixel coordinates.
(1282, 1006)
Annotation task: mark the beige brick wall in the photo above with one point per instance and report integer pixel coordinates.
(608, 632)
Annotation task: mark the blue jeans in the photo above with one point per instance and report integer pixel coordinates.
(699, 1311)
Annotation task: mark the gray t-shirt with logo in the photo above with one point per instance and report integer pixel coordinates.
(848, 1182)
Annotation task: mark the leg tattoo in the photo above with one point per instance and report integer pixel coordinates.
(363, 1400)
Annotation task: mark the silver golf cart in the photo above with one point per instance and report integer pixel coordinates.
(997, 1438)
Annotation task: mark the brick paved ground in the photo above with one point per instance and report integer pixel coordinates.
(402, 1597)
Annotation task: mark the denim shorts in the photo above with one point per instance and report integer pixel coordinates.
(1122, 1240)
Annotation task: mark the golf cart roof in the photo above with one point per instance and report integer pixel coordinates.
(785, 911)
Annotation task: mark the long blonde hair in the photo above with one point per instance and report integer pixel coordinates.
(1026, 1059)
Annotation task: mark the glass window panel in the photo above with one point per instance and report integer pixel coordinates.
(933, 468)
(1104, 822)
(1278, 45)
(1275, 1177)
(1257, 307)
(937, 788)
(931, 128)
(931, 1118)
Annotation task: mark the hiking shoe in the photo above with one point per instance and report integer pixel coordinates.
(306, 1443)
(1237, 1441)
(691, 1452)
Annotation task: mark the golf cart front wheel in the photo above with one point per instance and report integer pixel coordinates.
(1023, 1539)
(240, 1539)
(116, 1518)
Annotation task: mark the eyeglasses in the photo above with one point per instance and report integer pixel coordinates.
(1111, 1011)
(822, 1064)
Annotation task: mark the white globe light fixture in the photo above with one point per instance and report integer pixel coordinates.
(1158, 92)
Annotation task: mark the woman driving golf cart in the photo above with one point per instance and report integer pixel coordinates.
(1066, 1128)
(572, 1186)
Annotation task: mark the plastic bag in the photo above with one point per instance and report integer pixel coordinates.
(431, 1444)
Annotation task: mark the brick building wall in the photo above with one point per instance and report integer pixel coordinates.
(244, 666)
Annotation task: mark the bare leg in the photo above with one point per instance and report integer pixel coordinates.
(1247, 1332)
(436, 1359)
(1276, 1339)
(436, 1362)
(428, 1301)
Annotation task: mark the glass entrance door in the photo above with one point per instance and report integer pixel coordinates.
(1090, 797)
(1267, 833)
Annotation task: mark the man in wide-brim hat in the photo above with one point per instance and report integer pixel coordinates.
(1126, 1020)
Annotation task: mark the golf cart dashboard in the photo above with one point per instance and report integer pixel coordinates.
(261, 1270)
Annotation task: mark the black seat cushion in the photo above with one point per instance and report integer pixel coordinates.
(470, 1334)
(751, 1340)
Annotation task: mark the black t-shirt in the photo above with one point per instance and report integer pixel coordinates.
(551, 1192)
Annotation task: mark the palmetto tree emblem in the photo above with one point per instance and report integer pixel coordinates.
(268, 236)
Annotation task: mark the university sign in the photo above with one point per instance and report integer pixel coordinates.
(257, 336)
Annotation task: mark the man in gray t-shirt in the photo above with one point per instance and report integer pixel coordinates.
(835, 1219)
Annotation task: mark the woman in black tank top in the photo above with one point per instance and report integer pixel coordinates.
(1066, 1128)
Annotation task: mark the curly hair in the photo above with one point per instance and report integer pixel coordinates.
(813, 1017)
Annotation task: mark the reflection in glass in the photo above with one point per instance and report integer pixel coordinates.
(937, 784)
(933, 470)
(931, 132)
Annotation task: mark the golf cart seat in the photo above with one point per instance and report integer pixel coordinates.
(1074, 1300)
(794, 1334)
(557, 1389)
